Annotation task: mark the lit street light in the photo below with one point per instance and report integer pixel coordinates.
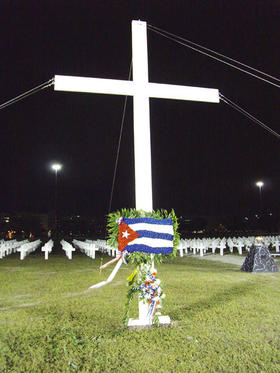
(260, 184)
(56, 167)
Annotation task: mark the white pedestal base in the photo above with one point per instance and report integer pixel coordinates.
(145, 314)
(149, 321)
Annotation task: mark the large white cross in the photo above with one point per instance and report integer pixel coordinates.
(141, 90)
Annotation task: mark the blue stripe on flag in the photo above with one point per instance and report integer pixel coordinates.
(129, 221)
(149, 249)
(149, 234)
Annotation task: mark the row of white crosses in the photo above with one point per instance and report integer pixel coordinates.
(28, 248)
(88, 248)
(141, 90)
(9, 247)
(202, 245)
(275, 243)
(47, 248)
(245, 243)
(24, 247)
(68, 248)
(103, 247)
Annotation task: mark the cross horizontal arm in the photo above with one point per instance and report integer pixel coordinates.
(180, 92)
(93, 85)
(130, 88)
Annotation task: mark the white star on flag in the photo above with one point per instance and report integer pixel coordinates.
(125, 234)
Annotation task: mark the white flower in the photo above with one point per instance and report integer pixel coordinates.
(163, 296)
(157, 281)
(119, 220)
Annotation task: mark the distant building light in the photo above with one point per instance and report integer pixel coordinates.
(246, 218)
(270, 214)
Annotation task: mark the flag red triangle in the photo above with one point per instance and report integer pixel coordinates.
(126, 235)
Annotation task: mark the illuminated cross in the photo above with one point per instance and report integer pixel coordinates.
(141, 90)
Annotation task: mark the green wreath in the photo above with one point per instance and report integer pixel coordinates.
(139, 258)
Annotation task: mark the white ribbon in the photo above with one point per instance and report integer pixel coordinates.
(112, 275)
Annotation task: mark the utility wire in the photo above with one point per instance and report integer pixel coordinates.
(248, 115)
(119, 145)
(174, 38)
(217, 53)
(27, 93)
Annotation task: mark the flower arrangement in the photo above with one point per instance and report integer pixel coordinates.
(150, 290)
(143, 280)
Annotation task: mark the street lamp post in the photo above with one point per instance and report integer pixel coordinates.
(56, 167)
(260, 184)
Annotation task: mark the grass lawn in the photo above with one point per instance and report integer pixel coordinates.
(223, 320)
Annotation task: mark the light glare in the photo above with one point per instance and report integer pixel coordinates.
(56, 167)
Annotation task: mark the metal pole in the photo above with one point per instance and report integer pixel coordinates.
(260, 200)
(55, 204)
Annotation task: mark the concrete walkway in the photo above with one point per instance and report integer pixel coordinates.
(232, 259)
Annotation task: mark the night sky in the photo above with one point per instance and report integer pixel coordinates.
(206, 157)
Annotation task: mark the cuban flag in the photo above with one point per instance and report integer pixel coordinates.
(149, 235)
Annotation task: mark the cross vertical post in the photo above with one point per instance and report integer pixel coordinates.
(141, 119)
